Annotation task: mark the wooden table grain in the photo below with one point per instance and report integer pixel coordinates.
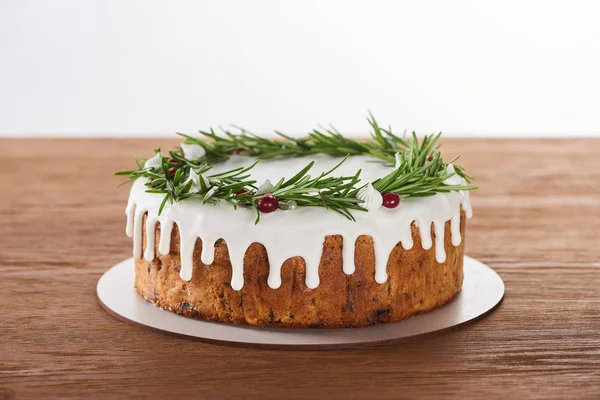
(537, 223)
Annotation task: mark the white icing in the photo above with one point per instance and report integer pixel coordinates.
(298, 232)
(154, 162)
(265, 187)
(454, 179)
(398, 160)
(196, 178)
(372, 199)
(192, 151)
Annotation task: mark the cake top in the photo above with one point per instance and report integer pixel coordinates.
(305, 189)
(327, 171)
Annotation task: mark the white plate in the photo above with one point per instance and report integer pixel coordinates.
(482, 290)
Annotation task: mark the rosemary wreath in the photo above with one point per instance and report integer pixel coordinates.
(418, 171)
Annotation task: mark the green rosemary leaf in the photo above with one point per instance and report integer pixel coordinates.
(162, 204)
(298, 176)
(124, 173)
(257, 220)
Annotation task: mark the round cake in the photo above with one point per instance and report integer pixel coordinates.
(395, 247)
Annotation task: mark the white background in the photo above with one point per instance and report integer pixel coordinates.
(155, 67)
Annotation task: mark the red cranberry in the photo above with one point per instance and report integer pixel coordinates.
(238, 151)
(391, 200)
(430, 158)
(267, 204)
(240, 192)
(172, 171)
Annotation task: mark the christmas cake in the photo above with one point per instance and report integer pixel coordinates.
(322, 232)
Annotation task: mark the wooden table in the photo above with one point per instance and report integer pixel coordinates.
(537, 222)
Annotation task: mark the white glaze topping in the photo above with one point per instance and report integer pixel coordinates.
(196, 178)
(398, 160)
(154, 162)
(192, 151)
(454, 179)
(372, 199)
(265, 187)
(299, 232)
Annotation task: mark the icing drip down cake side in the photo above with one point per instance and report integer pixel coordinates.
(306, 267)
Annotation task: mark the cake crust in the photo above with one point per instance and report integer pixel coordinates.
(416, 283)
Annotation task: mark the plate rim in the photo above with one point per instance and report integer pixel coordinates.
(300, 346)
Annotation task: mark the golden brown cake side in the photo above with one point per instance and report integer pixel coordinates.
(416, 283)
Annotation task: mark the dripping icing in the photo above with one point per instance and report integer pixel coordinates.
(298, 232)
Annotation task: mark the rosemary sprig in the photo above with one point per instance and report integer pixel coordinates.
(303, 191)
(383, 146)
(419, 169)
